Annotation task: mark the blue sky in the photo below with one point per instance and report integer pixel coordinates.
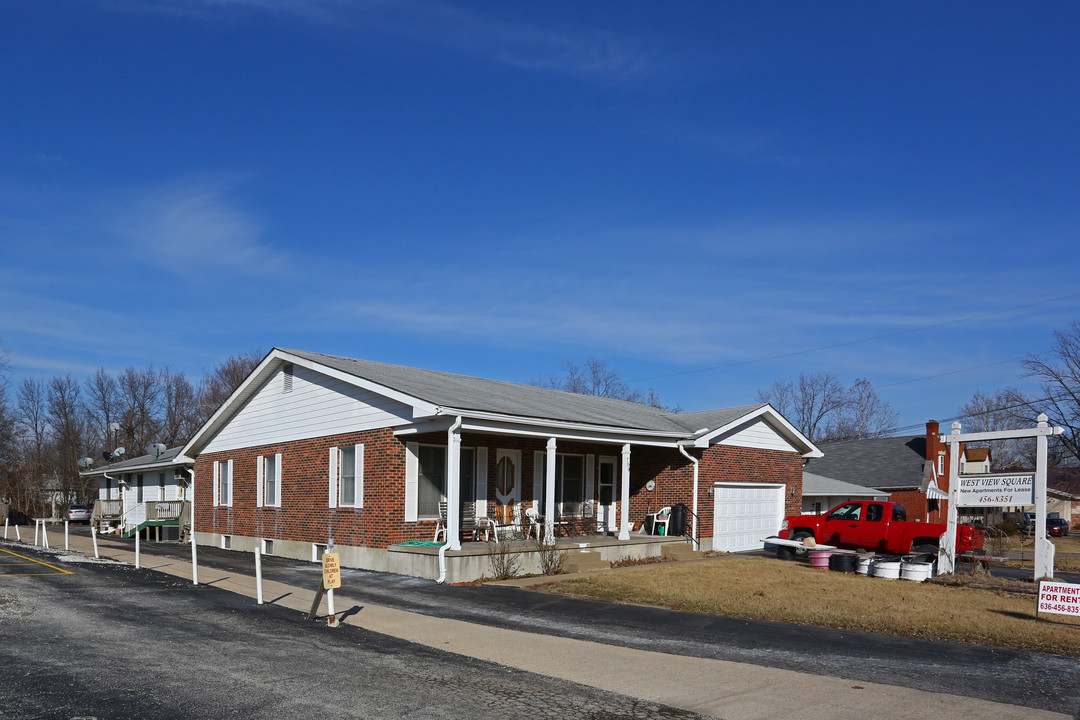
(708, 196)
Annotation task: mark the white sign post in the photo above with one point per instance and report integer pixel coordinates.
(1044, 549)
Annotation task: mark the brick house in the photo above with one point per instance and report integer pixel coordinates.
(908, 467)
(314, 447)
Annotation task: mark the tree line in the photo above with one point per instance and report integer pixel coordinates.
(46, 425)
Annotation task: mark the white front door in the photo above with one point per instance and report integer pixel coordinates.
(606, 498)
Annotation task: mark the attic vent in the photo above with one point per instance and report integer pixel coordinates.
(286, 377)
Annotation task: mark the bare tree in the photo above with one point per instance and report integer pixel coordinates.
(67, 422)
(1004, 410)
(181, 408)
(810, 402)
(103, 408)
(596, 377)
(1059, 373)
(219, 384)
(864, 414)
(32, 415)
(140, 392)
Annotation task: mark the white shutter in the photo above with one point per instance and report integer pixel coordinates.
(358, 476)
(412, 481)
(481, 481)
(590, 476)
(259, 481)
(538, 480)
(232, 485)
(217, 481)
(333, 473)
(278, 480)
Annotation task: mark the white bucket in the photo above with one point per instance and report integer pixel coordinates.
(916, 571)
(864, 566)
(890, 569)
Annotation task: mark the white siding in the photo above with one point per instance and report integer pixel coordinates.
(317, 406)
(755, 434)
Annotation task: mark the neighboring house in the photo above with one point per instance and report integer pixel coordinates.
(149, 491)
(315, 447)
(1065, 482)
(821, 494)
(905, 467)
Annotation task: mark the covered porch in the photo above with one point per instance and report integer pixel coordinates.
(475, 560)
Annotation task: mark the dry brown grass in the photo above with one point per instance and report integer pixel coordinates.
(1066, 552)
(767, 589)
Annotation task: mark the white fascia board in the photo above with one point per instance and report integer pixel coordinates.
(421, 408)
(790, 431)
(264, 370)
(556, 426)
(563, 433)
(1001, 434)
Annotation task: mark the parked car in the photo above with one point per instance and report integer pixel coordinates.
(1057, 527)
(78, 513)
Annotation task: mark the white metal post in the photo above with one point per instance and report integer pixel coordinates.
(624, 504)
(18, 535)
(258, 576)
(137, 558)
(947, 542)
(93, 537)
(66, 547)
(37, 524)
(5, 528)
(194, 561)
(1044, 549)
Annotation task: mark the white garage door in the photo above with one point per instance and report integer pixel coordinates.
(744, 514)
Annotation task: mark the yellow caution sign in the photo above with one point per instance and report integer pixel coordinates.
(331, 571)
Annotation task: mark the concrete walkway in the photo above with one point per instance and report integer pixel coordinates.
(719, 688)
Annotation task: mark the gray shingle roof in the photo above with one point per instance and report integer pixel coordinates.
(818, 485)
(462, 392)
(887, 463)
(137, 463)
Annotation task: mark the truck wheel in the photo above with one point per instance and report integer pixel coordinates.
(790, 553)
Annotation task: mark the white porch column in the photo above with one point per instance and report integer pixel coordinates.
(549, 494)
(624, 504)
(453, 485)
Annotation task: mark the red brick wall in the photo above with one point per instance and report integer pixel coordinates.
(916, 505)
(304, 515)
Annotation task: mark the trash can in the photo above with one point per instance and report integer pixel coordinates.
(677, 521)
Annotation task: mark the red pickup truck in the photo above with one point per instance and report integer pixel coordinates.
(871, 525)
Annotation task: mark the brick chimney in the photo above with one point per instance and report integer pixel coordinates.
(932, 443)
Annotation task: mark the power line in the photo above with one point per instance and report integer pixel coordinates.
(950, 372)
(861, 340)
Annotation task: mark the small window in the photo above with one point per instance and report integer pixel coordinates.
(347, 477)
(224, 482)
(267, 547)
(874, 512)
(161, 487)
(270, 481)
(317, 551)
(850, 511)
(139, 489)
(899, 513)
(941, 464)
(226, 542)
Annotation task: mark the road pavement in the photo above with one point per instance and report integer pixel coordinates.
(716, 666)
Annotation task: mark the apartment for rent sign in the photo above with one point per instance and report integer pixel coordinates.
(995, 490)
(1059, 598)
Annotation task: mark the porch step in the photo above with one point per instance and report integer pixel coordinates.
(679, 551)
(577, 561)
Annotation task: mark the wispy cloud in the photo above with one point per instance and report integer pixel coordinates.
(597, 54)
(196, 223)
